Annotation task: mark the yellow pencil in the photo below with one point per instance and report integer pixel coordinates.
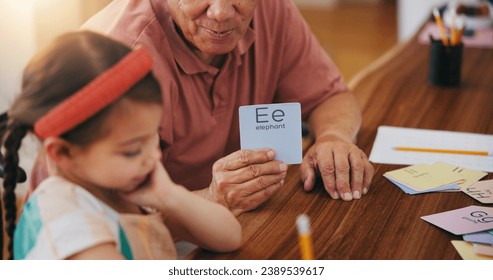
(452, 28)
(443, 151)
(441, 28)
(458, 36)
(304, 237)
(457, 39)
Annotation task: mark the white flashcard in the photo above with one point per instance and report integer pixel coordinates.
(275, 126)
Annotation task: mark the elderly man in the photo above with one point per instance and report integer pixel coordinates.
(212, 56)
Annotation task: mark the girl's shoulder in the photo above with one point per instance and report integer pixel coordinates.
(60, 219)
(61, 196)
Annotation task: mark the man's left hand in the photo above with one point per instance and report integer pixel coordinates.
(344, 168)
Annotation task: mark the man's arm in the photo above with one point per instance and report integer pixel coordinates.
(344, 168)
(340, 114)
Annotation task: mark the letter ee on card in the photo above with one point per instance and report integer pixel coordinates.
(463, 220)
(275, 126)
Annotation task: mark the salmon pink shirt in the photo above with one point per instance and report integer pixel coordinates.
(277, 60)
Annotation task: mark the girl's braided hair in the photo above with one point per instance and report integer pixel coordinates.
(68, 64)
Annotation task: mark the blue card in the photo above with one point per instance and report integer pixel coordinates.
(275, 126)
(412, 191)
(480, 237)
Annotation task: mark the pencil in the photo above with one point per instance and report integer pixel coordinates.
(441, 28)
(444, 151)
(304, 237)
(453, 29)
(459, 32)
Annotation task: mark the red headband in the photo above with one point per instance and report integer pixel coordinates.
(96, 95)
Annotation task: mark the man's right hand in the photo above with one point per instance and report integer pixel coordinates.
(245, 179)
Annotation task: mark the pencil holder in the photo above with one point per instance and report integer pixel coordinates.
(445, 64)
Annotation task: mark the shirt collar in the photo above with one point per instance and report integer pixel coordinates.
(183, 55)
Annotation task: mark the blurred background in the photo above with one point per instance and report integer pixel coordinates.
(353, 32)
(28, 25)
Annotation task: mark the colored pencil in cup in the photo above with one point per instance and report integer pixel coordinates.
(441, 27)
(457, 38)
(453, 33)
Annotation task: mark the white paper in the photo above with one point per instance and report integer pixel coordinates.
(389, 137)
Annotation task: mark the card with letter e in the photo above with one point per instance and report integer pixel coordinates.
(463, 220)
(275, 126)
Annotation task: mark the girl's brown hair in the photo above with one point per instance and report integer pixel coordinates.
(68, 64)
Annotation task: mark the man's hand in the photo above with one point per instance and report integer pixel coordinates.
(245, 179)
(344, 168)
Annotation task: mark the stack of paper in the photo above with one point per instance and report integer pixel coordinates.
(423, 178)
(482, 242)
(468, 252)
(474, 223)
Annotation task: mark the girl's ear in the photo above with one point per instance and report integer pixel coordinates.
(59, 151)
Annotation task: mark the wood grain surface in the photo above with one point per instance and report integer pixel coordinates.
(385, 223)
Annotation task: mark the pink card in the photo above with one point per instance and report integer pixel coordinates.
(463, 220)
(483, 249)
(482, 191)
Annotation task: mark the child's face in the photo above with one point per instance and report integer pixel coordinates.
(124, 158)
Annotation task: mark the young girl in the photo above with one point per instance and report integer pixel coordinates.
(96, 108)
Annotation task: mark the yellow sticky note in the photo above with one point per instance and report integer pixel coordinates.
(468, 176)
(466, 251)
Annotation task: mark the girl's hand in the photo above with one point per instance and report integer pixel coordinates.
(156, 190)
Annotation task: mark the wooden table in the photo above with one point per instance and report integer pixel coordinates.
(385, 223)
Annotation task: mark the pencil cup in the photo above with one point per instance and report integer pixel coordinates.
(445, 64)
